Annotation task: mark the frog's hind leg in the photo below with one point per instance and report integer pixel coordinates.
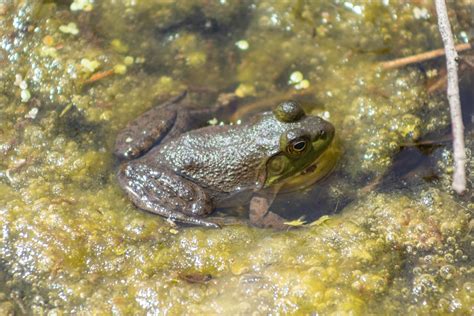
(147, 130)
(189, 116)
(164, 193)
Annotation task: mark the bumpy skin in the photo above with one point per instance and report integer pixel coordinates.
(161, 123)
(185, 176)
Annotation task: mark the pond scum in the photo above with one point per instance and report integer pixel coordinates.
(73, 73)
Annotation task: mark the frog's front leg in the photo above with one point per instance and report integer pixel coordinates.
(161, 191)
(259, 210)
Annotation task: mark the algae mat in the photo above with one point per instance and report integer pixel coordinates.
(74, 72)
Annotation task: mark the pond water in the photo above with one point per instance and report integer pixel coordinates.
(383, 233)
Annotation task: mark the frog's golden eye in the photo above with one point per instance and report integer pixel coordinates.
(299, 146)
(295, 142)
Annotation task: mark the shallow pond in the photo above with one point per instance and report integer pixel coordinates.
(383, 234)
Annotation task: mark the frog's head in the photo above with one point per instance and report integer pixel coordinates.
(302, 140)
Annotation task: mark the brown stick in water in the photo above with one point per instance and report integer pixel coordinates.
(400, 62)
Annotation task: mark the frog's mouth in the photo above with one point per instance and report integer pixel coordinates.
(316, 171)
(306, 170)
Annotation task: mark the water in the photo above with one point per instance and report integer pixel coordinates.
(396, 240)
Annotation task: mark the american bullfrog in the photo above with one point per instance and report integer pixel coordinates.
(182, 172)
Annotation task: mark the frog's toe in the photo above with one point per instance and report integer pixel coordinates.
(199, 222)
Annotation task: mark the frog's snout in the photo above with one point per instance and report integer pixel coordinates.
(327, 131)
(323, 134)
(321, 130)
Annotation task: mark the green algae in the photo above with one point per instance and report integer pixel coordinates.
(72, 243)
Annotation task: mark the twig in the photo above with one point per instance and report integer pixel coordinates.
(459, 176)
(469, 60)
(99, 76)
(443, 139)
(400, 62)
(440, 83)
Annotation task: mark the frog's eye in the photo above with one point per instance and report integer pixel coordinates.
(299, 145)
(295, 142)
(288, 111)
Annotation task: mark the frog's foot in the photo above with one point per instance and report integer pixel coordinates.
(164, 193)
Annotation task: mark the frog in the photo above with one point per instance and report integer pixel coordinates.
(176, 166)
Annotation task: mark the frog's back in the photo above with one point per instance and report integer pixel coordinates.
(223, 159)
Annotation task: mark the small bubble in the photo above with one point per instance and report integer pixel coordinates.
(405, 292)
(302, 85)
(447, 272)
(449, 257)
(32, 113)
(89, 65)
(296, 77)
(417, 271)
(242, 44)
(128, 60)
(81, 5)
(70, 28)
(120, 69)
(464, 37)
(213, 121)
(428, 259)
(423, 284)
(25, 96)
(419, 289)
(443, 304)
(469, 287)
(18, 80)
(421, 13)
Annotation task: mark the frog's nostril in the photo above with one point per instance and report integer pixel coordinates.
(326, 133)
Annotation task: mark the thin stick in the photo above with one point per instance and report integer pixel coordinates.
(440, 84)
(459, 176)
(400, 62)
(99, 76)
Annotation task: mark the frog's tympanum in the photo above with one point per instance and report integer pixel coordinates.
(184, 173)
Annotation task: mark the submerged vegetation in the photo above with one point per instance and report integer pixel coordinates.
(73, 73)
